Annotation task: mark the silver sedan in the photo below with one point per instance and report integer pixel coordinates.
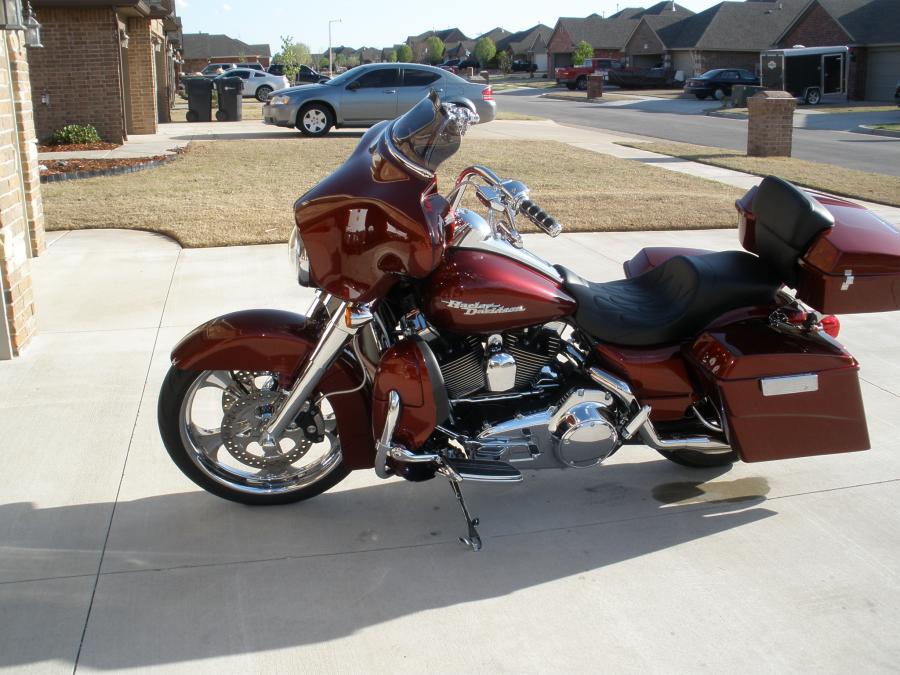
(368, 94)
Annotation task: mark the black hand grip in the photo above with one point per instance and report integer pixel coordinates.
(540, 217)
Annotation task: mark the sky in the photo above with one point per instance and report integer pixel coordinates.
(380, 24)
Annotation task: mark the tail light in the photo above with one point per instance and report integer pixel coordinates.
(487, 94)
(831, 325)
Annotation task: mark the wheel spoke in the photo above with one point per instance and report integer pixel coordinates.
(210, 441)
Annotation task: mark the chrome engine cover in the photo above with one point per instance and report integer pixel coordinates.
(579, 433)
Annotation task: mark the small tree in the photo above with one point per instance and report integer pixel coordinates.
(292, 56)
(404, 53)
(434, 47)
(583, 51)
(504, 62)
(485, 49)
(392, 56)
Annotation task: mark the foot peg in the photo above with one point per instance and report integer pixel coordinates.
(485, 471)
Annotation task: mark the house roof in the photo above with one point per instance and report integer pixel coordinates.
(495, 34)
(614, 32)
(870, 22)
(446, 35)
(526, 40)
(734, 26)
(206, 46)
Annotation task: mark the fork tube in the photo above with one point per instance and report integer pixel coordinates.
(337, 333)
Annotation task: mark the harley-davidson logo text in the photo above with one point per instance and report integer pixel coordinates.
(481, 308)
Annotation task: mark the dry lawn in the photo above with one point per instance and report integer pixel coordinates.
(873, 187)
(223, 193)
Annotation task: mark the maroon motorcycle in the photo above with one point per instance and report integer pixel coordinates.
(437, 344)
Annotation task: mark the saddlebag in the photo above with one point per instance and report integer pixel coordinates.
(851, 268)
(782, 394)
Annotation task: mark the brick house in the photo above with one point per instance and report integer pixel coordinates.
(870, 28)
(608, 36)
(201, 49)
(528, 45)
(21, 209)
(124, 54)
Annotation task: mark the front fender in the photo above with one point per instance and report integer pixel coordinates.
(275, 340)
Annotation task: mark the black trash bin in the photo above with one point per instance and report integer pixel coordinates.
(199, 95)
(230, 90)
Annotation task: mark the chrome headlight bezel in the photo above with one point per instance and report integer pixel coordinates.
(299, 258)
(280, 99)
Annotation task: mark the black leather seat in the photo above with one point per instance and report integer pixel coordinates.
(672, 302)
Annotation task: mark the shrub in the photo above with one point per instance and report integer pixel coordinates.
(72, 134)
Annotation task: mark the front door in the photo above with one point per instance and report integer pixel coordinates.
(371, 97)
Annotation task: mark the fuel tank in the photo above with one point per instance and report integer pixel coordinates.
(484, 292)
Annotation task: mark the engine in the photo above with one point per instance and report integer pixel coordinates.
(511, 362)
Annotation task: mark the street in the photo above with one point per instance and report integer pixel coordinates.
(683, 121)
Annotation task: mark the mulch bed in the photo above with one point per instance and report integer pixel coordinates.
(102, 145)
(61, 169)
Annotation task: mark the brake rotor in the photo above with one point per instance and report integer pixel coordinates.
(243, 423)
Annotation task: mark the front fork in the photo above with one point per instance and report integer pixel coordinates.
(345, 321)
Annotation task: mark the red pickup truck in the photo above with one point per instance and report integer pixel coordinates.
(575, 77)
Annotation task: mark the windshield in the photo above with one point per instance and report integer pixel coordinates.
(709, 74)
(427, 135)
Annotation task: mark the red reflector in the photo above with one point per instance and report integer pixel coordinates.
(487, 94)
(831, 325)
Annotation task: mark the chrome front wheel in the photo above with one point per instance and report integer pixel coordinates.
(211, 422)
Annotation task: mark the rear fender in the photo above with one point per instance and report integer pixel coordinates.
(270, 339)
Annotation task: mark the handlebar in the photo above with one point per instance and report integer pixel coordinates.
(540, 218)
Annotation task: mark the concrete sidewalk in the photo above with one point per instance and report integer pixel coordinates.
(112, 558)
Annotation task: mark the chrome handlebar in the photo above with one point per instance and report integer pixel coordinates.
(509, 197)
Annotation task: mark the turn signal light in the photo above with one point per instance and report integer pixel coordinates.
(487, 94)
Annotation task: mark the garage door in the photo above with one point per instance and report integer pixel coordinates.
(883, 73)
(684, 61)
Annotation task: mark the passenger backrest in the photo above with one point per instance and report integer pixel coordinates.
(787, 222)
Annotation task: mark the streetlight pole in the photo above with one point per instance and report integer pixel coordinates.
(330, 59)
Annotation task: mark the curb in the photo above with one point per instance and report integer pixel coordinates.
(114, 171)
(727, 116)
(866, 129)
(572, 98)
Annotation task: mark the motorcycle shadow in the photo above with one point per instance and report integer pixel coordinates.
(188, 576)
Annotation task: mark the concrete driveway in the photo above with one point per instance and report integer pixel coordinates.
(112, 560)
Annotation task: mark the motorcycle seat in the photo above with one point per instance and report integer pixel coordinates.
(672, 302)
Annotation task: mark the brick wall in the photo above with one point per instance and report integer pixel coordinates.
(644, 35)
(770, 127)
(21, 213)
(78, 69)
(141, 64)
(816, 28)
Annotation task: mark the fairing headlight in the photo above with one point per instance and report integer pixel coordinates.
(278, 100)
(299, 258)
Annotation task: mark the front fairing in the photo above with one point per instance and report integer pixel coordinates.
(377, 219)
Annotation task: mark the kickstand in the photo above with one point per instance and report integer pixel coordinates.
(473, 541)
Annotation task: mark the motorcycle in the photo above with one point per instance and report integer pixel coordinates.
(437, 344)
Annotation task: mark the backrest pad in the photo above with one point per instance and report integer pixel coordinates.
(787, 222)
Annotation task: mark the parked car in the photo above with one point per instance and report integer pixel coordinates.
(258, 83)
(449, 69)
(575, 77)
(521, 66)
(251, 66)
(459, 64)
(370, 93)
(213, 69)
(306, 75)
(718, 82)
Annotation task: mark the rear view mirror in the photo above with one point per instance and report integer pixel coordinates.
(353, 86)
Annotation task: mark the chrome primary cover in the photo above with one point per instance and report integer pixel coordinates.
(473, 232)
(579, 433)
